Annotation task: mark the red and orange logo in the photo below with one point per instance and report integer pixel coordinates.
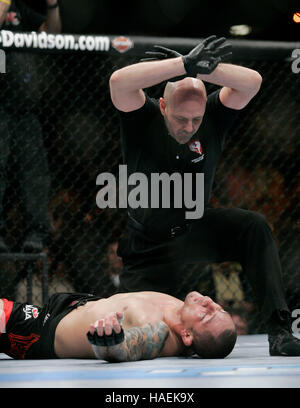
(122, 44)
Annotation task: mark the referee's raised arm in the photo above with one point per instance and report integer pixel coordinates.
(126, 84)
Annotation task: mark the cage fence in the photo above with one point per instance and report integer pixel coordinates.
(59, 130)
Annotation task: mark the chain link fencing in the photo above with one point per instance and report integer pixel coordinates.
(56, 116)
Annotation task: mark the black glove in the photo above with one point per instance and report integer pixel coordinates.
(203, 59)
(163, 53)
(105, 340)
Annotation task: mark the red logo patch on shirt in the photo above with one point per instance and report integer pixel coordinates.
(195, 146)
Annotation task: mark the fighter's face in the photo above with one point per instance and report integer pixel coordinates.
(184, 119)
(201, 312)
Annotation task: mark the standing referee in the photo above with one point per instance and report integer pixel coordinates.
(184, 132)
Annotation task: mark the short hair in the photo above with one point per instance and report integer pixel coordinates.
(208, 346)
(187, 88)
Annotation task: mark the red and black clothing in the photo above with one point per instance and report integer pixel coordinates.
(30, 330)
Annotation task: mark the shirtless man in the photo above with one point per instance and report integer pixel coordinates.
(129, 327)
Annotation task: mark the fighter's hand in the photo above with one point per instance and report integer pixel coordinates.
(203, 59)
(108, 331)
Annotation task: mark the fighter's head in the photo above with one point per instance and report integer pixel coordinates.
(206, 327)
(183, 107)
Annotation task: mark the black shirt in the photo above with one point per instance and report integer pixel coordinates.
(148, 148)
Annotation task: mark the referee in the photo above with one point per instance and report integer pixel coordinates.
(184, 132)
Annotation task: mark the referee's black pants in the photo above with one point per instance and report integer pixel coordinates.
(222, 234)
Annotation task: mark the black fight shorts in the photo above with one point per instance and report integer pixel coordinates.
(30, 330)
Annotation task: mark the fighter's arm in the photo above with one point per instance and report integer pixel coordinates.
(239, 84)
(136, 343)
(126, 84)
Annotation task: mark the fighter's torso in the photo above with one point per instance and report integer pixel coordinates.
(139, 309)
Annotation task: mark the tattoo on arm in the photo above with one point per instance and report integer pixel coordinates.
(141, 343)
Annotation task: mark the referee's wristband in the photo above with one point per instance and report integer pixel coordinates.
(54, 6)
(8, 2)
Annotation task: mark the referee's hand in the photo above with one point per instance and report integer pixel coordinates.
(203, 59)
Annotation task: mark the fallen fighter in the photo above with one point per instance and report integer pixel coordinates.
(123, 327)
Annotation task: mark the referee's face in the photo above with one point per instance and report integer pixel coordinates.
(184, 119)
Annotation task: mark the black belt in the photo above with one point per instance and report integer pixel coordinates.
(170, 233)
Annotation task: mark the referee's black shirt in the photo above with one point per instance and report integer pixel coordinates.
(148, 148)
